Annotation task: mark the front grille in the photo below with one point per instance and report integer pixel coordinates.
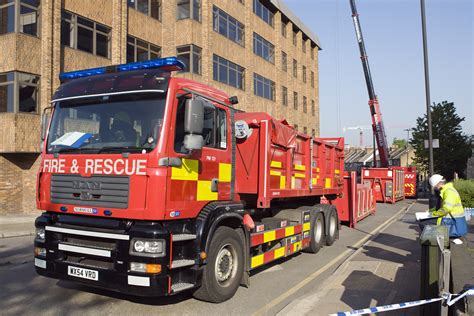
(104, 191)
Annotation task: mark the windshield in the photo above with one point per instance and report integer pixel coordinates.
(116, 123)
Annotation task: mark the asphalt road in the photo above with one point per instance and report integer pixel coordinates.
(22, 292)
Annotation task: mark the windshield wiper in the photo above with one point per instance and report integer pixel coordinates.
(119, 148)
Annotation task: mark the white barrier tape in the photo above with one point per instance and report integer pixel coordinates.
(459, 296)
(448, 297)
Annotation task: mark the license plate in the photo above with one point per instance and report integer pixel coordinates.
(83, 273)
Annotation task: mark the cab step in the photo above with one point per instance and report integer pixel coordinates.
(183, 237)
(182, 263)
(178, 287)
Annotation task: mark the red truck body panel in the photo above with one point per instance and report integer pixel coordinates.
(274, 162)
(388, 183)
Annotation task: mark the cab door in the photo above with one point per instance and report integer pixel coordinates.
(205, 175)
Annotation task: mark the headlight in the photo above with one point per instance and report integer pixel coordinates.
(147, 247)
(40, 234)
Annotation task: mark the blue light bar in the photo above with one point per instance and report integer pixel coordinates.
(167, 64)
(82, 73)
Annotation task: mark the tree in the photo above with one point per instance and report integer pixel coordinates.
(399, 143)
(454, 147)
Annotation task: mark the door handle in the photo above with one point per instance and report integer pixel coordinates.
(214, 185)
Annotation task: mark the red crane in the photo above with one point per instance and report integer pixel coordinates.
(377, 123)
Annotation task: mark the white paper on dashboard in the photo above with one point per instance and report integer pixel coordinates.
(68, 139)
(423, 215)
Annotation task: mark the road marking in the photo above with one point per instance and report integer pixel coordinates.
(315, 274)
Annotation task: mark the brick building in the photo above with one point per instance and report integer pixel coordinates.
(255, 49)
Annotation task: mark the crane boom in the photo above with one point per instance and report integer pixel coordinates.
(377, 123)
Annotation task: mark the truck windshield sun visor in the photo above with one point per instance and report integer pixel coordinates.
(107, 124)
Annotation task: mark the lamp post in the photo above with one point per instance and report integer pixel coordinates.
(427, 86)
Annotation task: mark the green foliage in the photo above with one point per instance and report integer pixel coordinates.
(399, 143)
(466, 191)
(454, 148)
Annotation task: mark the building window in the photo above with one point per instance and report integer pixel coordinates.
(296, 127)
(228, 26)
(263, 12)
(303, 46)
(312, 52)
(295, 68)
(305, 105)
(294, 37)
(263, 87)
(148, 7)
(284, 96)
(19, 92)
(304, 74)
(295, 100)
(188, 9)
(313, 108)
(24, 19)
(138, 50)
(263, 48)
(305, 130)
(312, 79)
(313, 132)
(86, 35)
(284, 61)
(228, 72)
(191, 56)
(283, 28)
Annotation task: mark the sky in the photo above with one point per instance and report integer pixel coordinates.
(393, 41)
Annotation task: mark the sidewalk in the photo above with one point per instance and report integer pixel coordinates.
(17, 225)
(384, 271)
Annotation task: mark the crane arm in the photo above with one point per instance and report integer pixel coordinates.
(377, 123)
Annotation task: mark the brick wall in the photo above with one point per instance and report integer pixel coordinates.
(18, 182)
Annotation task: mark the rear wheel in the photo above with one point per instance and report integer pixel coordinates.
(225, 265)
(332, 228)
(317, 233)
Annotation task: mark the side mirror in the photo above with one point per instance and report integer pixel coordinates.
(194, 116)
(193, 142)
(44, 121)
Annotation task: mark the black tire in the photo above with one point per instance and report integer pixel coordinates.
(225, 265)
(333, 227)
(317, 233)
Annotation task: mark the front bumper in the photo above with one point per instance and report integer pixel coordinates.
(133, 284)
(103, 246)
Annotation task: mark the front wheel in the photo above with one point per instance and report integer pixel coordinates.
(225, 265)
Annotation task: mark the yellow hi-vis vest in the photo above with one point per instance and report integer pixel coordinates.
(451, 203)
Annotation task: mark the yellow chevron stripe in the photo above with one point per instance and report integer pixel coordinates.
(275, 164)
(280, 252)
(337, 171)
(275, 173)
(282, 182)
(306, 226)
(188, 170)
(300, 175)
(299, 167)
(269, 236)
(289, 231)
(256, 261)
(327, 183)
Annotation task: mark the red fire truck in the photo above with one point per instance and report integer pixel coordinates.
(152, 185)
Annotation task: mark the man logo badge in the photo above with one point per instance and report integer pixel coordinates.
(89, 185)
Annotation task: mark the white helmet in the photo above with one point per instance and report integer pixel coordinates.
(435, 179)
